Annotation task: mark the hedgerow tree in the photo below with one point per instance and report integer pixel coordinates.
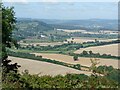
(8, 25)
(75, 58)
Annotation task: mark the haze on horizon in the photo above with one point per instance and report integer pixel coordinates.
(66, 10)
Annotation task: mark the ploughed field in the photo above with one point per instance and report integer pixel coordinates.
(105, 49)
(82, 60)
(44, 68)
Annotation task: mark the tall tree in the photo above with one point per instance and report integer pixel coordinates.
(8, 25)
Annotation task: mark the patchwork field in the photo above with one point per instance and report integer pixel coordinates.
(105, 49)
(83, 61)
(44, 68)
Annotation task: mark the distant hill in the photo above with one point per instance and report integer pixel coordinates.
(89, 24)
(30, 28)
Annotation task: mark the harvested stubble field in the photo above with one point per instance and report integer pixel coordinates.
(105, 49)
(44, 68)
(82, 60)
(81, 39)
(90, 32)
(72, 31)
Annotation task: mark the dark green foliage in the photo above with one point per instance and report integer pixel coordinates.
(8, 25)
(84, 53)
(90, 52)
(96, 55)
(80, 81)
(109, 72)
(75, 58)
(61, 48)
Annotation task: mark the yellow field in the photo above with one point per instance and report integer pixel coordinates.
(81, 39)
(105, 49)
(44, 68)
(91, 32)
(72, 31)
(83, 61)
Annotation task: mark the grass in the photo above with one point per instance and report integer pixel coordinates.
(28, 41)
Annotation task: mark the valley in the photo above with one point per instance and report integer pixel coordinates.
(52, 44)
(55, 41)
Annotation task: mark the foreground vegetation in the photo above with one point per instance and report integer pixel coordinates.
(27, 81)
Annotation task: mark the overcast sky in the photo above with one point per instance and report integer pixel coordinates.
(65, 10)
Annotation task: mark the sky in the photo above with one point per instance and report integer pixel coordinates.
(25, 1)
(53, 9)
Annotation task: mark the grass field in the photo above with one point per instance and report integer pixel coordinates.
(43, 44)
(82, 60)
(44, 68)
(105, 49)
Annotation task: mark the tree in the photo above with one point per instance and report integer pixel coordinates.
(65, 40)
(84, 53)
(52, 37)
(72, 42)
(75, 58)
(8, 25)
(72, 38)
(96, 40)
(90, 52)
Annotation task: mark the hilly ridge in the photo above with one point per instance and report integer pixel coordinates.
(30, 28)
